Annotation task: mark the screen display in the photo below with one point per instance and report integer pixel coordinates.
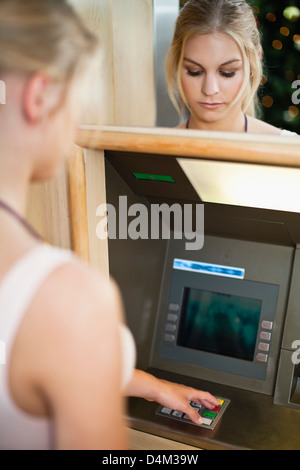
(219, 323)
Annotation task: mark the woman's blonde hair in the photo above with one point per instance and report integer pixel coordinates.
(232, 17)
(43, 35)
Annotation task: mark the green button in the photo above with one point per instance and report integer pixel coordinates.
(209, 414)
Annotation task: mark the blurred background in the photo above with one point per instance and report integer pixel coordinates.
(279, 23)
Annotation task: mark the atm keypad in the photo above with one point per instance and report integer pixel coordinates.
(210, 417)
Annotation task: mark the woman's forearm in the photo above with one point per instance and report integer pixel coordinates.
(143, 385)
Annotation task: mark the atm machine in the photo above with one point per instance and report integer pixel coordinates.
(222, 318)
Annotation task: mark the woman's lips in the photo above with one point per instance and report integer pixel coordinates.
(210, 105)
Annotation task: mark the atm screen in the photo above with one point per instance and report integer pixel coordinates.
(219, 323)
(213, 323)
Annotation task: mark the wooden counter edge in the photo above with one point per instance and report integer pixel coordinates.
(240, 148)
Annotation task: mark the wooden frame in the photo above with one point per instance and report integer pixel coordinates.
(87, 180)
(240, 148)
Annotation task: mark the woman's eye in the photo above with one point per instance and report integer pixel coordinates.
(194, 73)
(227, 74)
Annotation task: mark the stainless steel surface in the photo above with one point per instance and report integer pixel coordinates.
(165, 13)
(251, 421)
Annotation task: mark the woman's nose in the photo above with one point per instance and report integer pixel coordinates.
(210, 85)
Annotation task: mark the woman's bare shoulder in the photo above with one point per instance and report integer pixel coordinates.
(76, 307)
(77, 284)
(73, 320)
(256, 126)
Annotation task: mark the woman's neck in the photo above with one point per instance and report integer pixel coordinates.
(234, 123)
(14, 178)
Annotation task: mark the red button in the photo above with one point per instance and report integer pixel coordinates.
(216, 408)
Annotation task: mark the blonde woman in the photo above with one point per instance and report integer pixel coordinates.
(215, 67)
(68, 359)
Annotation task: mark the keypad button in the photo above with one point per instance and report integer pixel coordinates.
(207, 421)
(178, 414)
(195, 405)
(166, 411)
(216, 409)
(209, 414)
(220, 401)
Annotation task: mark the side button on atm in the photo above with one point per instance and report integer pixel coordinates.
(267, 325)
(169, 338)
(265, 335)
(264, 347)
(173, 307)
(262, 357)
(171, 328)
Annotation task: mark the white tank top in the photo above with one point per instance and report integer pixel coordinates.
(19, 430)
(288, 133)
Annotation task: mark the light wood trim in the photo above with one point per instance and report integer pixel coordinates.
(78, 206)
(139, 440)
(95, 196)
(258, 149)
(133, 62)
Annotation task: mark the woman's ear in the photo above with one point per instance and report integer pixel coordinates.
(40, 97)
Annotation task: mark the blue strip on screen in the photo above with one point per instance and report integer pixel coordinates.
(208, 268)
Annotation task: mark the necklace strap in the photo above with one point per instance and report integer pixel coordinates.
(20, 219)
(246, 123)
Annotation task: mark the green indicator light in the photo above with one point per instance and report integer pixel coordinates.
(147, 177)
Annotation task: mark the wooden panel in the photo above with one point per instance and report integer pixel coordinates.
(142, 441)
(78, 205)
(96, 195)
(99, 97)
(134, 88)
(253, 148)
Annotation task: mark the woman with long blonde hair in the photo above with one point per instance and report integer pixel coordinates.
(214, 67)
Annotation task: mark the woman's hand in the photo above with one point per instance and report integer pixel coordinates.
(169, 394)
(177, 397)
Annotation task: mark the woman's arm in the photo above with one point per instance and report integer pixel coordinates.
(68, 350)
(169, 394)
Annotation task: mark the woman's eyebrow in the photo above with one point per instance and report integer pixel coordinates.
(228, 62)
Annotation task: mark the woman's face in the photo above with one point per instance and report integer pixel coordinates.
(212, 75)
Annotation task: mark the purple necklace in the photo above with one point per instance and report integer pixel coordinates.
(20, 219)
(246, 123)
